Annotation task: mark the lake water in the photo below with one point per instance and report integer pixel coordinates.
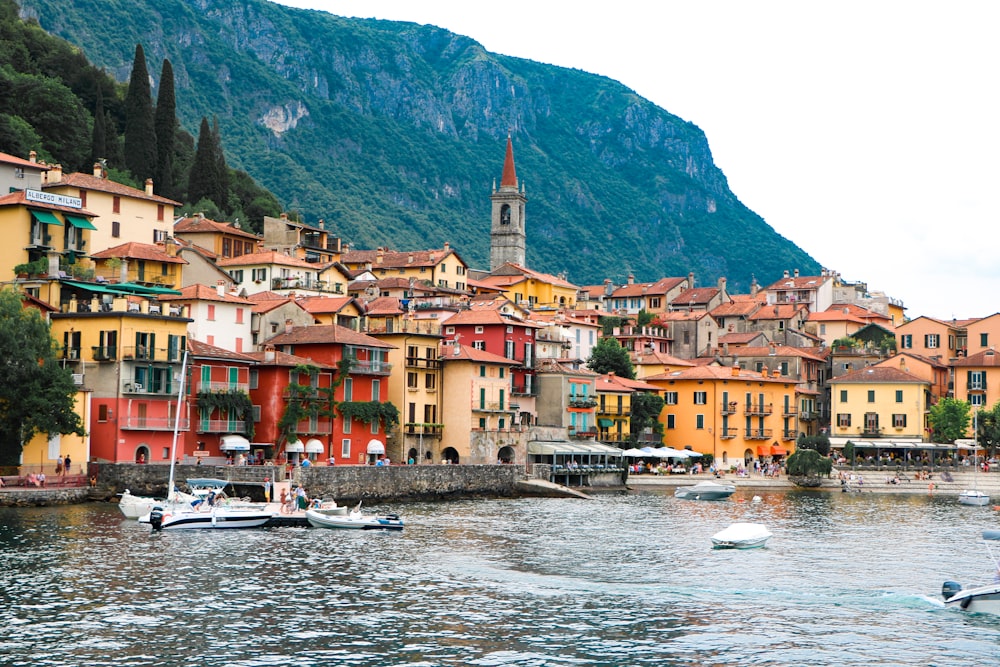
(629, 579)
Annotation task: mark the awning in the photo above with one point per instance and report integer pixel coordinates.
(778, 450)
(234, 443)
(78, 222)
(145, 289)
(376, 447)
(771, 450)
(45, 217)
(559, 447)
(92, 287)
(314, 446)
(605, 423)
(295, 447)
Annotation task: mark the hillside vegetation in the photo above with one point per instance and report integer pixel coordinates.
(393, 134)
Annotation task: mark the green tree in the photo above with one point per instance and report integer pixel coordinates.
(36, 393)
(949, 420)
(820, 443)
(807, 467)
(165, 123)
(988, 427)
(203, 178)
(608, 356)
(140, 131)
(99, 137)
(643, 318)
(221, 195)
(646, 409)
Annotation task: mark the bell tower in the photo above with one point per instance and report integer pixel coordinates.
(507, 237)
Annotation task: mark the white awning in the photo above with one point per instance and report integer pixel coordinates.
(234, 443)
(376, 447)
(314, 446)
(296, 446)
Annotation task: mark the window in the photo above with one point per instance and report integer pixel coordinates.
(784, 368)
(211, 313)
(159, 235)
(479, 330)
(670, 398)
(347, 425)
(931, 341)
(482, 371)
(871, 395)
(670, 421)
(376, 389)
(116, 228)
(345, 448)
(699, 421)
(508, 349)
(977, 400)
(159, 212)
(239, 316)
(843, 396)
(102, 413)
(411, 380)
(430, 382)
(254, 378)
(237, 275)
(984, 340)
(844, 419)
(899, 395)
(256, 413)
(977, 380)
(906, 341)
(116, 204)
(258, 275)
(449, 330)
(700, 397)
(349, 389)
(899, 421)
(479, 344)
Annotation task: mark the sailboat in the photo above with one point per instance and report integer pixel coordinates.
(974, 496)
(177, 513)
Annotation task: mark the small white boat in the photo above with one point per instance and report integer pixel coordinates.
(338, 518)
(168, 518)
(973, 497)
(741, 536)
(706, 491)
(134, 507)
(983, 599)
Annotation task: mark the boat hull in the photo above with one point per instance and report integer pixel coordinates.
(353, 521)
(705, 491)
(976, 498)
(216, 519)
(133, 507)
(742, 536)
(981, 599)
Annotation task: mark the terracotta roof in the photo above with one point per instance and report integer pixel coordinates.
(206, 293)
(662, 358)
(486, 317)
(681, 315)
(697, 295)
(384, 305)
(91, 182)
(467, 353)
(392, 259)
(324, 304)
(199, 349)
(202, 225)
(661, 286)
(611, 382)
(326, 333)
(857, 311)
(282, 359)
(799, 283)
(711, 372)
(736, 308)
(779, 351)
(735, 338)
(877, 374)
(266, 295)
(21, 162)
(986, 358)
(778, 311)
(835, 316)
(509, 176)
(268, 257)
(520, 273)
(143, 251)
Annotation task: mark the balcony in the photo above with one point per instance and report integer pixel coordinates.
(491, 406)
(145, 353)
(104, 353)
(582, 435)
(307, 428)
(71, 353)
(613, 437)
(220, 426)
(134, 423)
(729, 408)
(576, 401)
(224, 387)
(418, 362)
(370, 367)
(759, 410)
(790, 434)
(758, 434)
(977, 385)
(524, 390)
(728, 433)
(808, 415)
(789, 411)
(423, 430)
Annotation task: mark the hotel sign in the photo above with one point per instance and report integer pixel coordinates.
(52, 198)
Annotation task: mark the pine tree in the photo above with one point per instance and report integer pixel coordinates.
(166, 127)
(140, 132)
(202, 180)
(99, 137)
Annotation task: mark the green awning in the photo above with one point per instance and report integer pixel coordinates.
(605, 423)
(45, 217)
(92, 287)
(78, 222)
(145, 289)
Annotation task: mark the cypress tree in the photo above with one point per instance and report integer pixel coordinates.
(140, 133)
(202, 181)
(221, 197)
(166, 127)
(99, 138)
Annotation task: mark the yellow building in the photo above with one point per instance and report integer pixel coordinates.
(878, 404)
(614, 406)
(154, 266)
(416, 391)
(476, 410)
(42, 452)
(123, 214)
(441, 268)
(310, 244)
(222, 239)
(532, 289)
(977, 380)
(735, 415)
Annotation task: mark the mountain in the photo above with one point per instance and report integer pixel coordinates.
(393, 134)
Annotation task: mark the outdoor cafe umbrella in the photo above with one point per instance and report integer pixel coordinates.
(634, 453)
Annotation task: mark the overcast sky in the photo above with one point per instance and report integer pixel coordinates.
(864, 131)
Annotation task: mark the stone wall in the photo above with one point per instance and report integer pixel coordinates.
(41, 497)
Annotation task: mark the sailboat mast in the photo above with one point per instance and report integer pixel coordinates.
(177, 423)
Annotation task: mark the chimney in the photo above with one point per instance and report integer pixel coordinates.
(32, 156)
(170, 245)
(55, 174)
(288, 326)
(220, 287)
(763, 373)
(608, 287)
(754, 287)
(786, 273)
(379, 255)
(776, 373)
(98, 170)
(691, 280)
(123, 272)
(631, 279)
(268, 353)
(149, 187)
(284, 216)
(722, 285)
(447, 246)
(736, 371)
(796, 273)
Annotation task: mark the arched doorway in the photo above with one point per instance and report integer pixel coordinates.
(411, 456)
(449, 455)
(142, 454)
(505, 455)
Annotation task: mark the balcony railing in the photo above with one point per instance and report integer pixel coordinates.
(758, 409)
(524, 390)
(613, 411)
(307, 428)
(223, 386)
(134, 423)
(419, 362)
(71, 353)
(613, 437)
(368, 367)
(758, 434)
(130, 387)
(146, 353)
(977, 385)
(425, 430)
(789, 411)
(576, 401)
(490, 406)
(729, 408)
(220, 426)
(789, 434)
(105, 353)
(808, 415)
(728, 433)
(582, 435)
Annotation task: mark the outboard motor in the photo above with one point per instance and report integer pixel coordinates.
(156, 518)
(949, 589)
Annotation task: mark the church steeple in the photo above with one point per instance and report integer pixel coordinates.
(507, 234)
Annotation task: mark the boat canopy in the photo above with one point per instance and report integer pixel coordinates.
(234, 443)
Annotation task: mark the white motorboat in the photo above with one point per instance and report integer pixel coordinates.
(741, 536)
(981, 599)
(211, 517)
(339, 518)
(973, 497)
(706, 491)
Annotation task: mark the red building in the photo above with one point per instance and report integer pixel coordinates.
(366, 382)
(219, 405)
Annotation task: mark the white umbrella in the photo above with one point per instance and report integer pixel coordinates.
(634, 453)
(671, 453)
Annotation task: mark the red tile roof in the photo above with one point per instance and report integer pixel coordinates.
(878, 375)
(206, 293)
(202, 225)
(268, 257)
(466, 353)
(318, 305)
(91, 182)
(143, 251)
(279, 358)
(21, 162)
(326, 333)
(393, 259)
(199, 349)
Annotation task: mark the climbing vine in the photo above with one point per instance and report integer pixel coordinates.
(304, 400)
(370, 412)
(236, 404)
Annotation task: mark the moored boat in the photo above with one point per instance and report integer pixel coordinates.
(706, 491)
(741, 536)
(213, 517)
(981, 599)
(337, 518)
